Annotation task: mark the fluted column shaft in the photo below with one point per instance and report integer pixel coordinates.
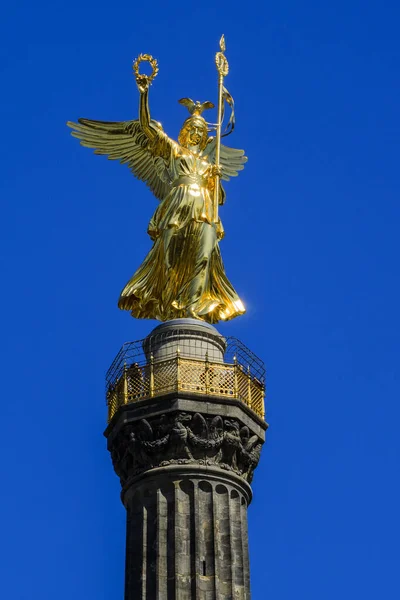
(187, 537)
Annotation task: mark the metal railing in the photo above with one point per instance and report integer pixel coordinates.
(137, 381)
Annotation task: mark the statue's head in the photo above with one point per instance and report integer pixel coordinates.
(194, 133)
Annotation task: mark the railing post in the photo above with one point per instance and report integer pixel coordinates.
(151, 376)
(248, 386)
(235, 377)
(207, 374)
(112, 403)
(263, 404)
(178, 369)
(126, 389)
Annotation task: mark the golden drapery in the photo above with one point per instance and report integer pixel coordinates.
(183, 274)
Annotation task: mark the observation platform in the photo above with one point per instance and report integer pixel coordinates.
(187, 356)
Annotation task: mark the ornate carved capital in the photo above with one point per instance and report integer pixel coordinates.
(185, 438)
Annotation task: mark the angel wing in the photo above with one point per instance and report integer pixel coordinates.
(145, 430)
(126, 142)
(216, 427)
(232, 160)
(199, 425)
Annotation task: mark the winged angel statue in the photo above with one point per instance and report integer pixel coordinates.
(183, 274)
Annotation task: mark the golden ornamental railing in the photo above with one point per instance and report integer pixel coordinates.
(181, 374)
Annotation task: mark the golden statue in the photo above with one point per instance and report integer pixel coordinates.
(183, 274)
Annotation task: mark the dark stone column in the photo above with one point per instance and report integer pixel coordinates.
(185, 536)
(185, 466)
(185, 440)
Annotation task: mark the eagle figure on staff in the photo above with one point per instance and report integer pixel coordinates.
(183, 274)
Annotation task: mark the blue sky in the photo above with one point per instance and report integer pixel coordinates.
(312, 246)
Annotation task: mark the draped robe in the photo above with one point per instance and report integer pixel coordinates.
(183, 274)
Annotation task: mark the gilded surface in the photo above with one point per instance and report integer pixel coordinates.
(183, 274)
(179, 374)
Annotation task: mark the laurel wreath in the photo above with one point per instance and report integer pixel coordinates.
(145, 58)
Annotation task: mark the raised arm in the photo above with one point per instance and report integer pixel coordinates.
(144, 111)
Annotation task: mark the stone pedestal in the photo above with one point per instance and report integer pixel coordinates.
(186, 463)
(193, 338)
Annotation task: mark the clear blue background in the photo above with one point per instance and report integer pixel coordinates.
(312, 246)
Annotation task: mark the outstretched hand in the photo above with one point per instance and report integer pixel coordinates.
(143, 83)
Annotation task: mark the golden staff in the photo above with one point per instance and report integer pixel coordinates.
(223, 70)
